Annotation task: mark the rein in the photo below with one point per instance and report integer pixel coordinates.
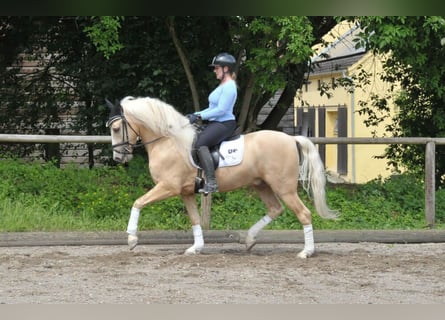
(126, 140)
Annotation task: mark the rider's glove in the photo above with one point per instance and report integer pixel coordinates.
(193, 117)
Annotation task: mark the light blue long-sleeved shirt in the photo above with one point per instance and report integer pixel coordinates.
(221, 103)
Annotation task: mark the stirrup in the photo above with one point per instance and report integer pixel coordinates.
(208, 189)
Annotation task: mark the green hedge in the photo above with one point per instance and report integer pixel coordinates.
(42, 197)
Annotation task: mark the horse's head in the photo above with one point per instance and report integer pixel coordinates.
(122, 139)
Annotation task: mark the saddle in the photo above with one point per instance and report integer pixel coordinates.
(214, 150)
(215, 154)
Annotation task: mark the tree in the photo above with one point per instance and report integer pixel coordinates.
(276, 51)
(280, 60)
(90, 58)
(414, 51)
(272, 54)
(24, 93)
(73, 77)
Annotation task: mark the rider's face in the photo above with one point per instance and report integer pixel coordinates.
(218, 72)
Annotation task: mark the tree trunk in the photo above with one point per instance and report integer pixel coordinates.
(284, 102)
(295, 77)
(184, 61)
(247, 99)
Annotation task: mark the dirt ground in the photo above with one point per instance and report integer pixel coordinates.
(343, 273)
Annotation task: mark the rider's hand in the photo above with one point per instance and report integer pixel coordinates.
(193, 117)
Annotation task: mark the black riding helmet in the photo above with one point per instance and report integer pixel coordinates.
(224, 59)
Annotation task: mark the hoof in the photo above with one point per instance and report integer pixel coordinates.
(132, 241)
(305, 254)
(192, 251)
(250, 242)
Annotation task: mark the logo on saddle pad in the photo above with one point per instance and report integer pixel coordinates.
(230, 153)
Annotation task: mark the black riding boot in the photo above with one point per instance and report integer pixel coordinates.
(207, 165)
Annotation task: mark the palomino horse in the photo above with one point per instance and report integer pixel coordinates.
(270, 166)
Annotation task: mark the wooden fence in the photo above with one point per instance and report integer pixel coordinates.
(430, 150)
(430, 163)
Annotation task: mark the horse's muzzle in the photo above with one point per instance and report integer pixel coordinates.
(122, 157)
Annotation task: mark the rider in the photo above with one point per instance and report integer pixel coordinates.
(219, 114)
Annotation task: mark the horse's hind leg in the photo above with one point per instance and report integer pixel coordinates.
(274, 209)
(303, 214)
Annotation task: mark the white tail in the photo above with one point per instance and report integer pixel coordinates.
(312, 176)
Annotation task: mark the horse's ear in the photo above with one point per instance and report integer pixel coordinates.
(115, 110)
(109, 104)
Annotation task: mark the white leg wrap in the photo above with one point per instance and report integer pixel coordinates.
(309, 246)
(257, 227)
(133, 222)
(198, 241)
(197, 234)
(253, 231)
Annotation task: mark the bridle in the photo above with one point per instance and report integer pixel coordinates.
(125, 136)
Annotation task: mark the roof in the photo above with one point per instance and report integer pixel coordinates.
(340, 54)
(336, 65)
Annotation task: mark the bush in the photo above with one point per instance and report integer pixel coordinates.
(75, 198)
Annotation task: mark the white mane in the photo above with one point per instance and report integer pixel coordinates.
(162, 119)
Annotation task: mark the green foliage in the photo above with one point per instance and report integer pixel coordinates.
(236, 210)
(75, 81)
(399, 198)
(283, 41)
(42, 197)
(413, 50)
(81, 60)
(105, 34)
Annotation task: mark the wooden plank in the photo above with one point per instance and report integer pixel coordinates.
(29, 138)
(351, 236)
(24, 138)
(206, 208)
(17, 239)
(430, 183)
(370, 140)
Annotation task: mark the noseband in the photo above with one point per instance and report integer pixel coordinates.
(125, 138)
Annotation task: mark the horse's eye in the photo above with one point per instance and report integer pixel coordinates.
(116, 129)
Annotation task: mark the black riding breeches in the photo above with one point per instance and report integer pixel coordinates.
(214, 133)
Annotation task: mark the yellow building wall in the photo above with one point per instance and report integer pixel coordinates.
(362, 166)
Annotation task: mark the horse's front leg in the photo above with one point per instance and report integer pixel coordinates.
(192, 210)
(157, 193)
